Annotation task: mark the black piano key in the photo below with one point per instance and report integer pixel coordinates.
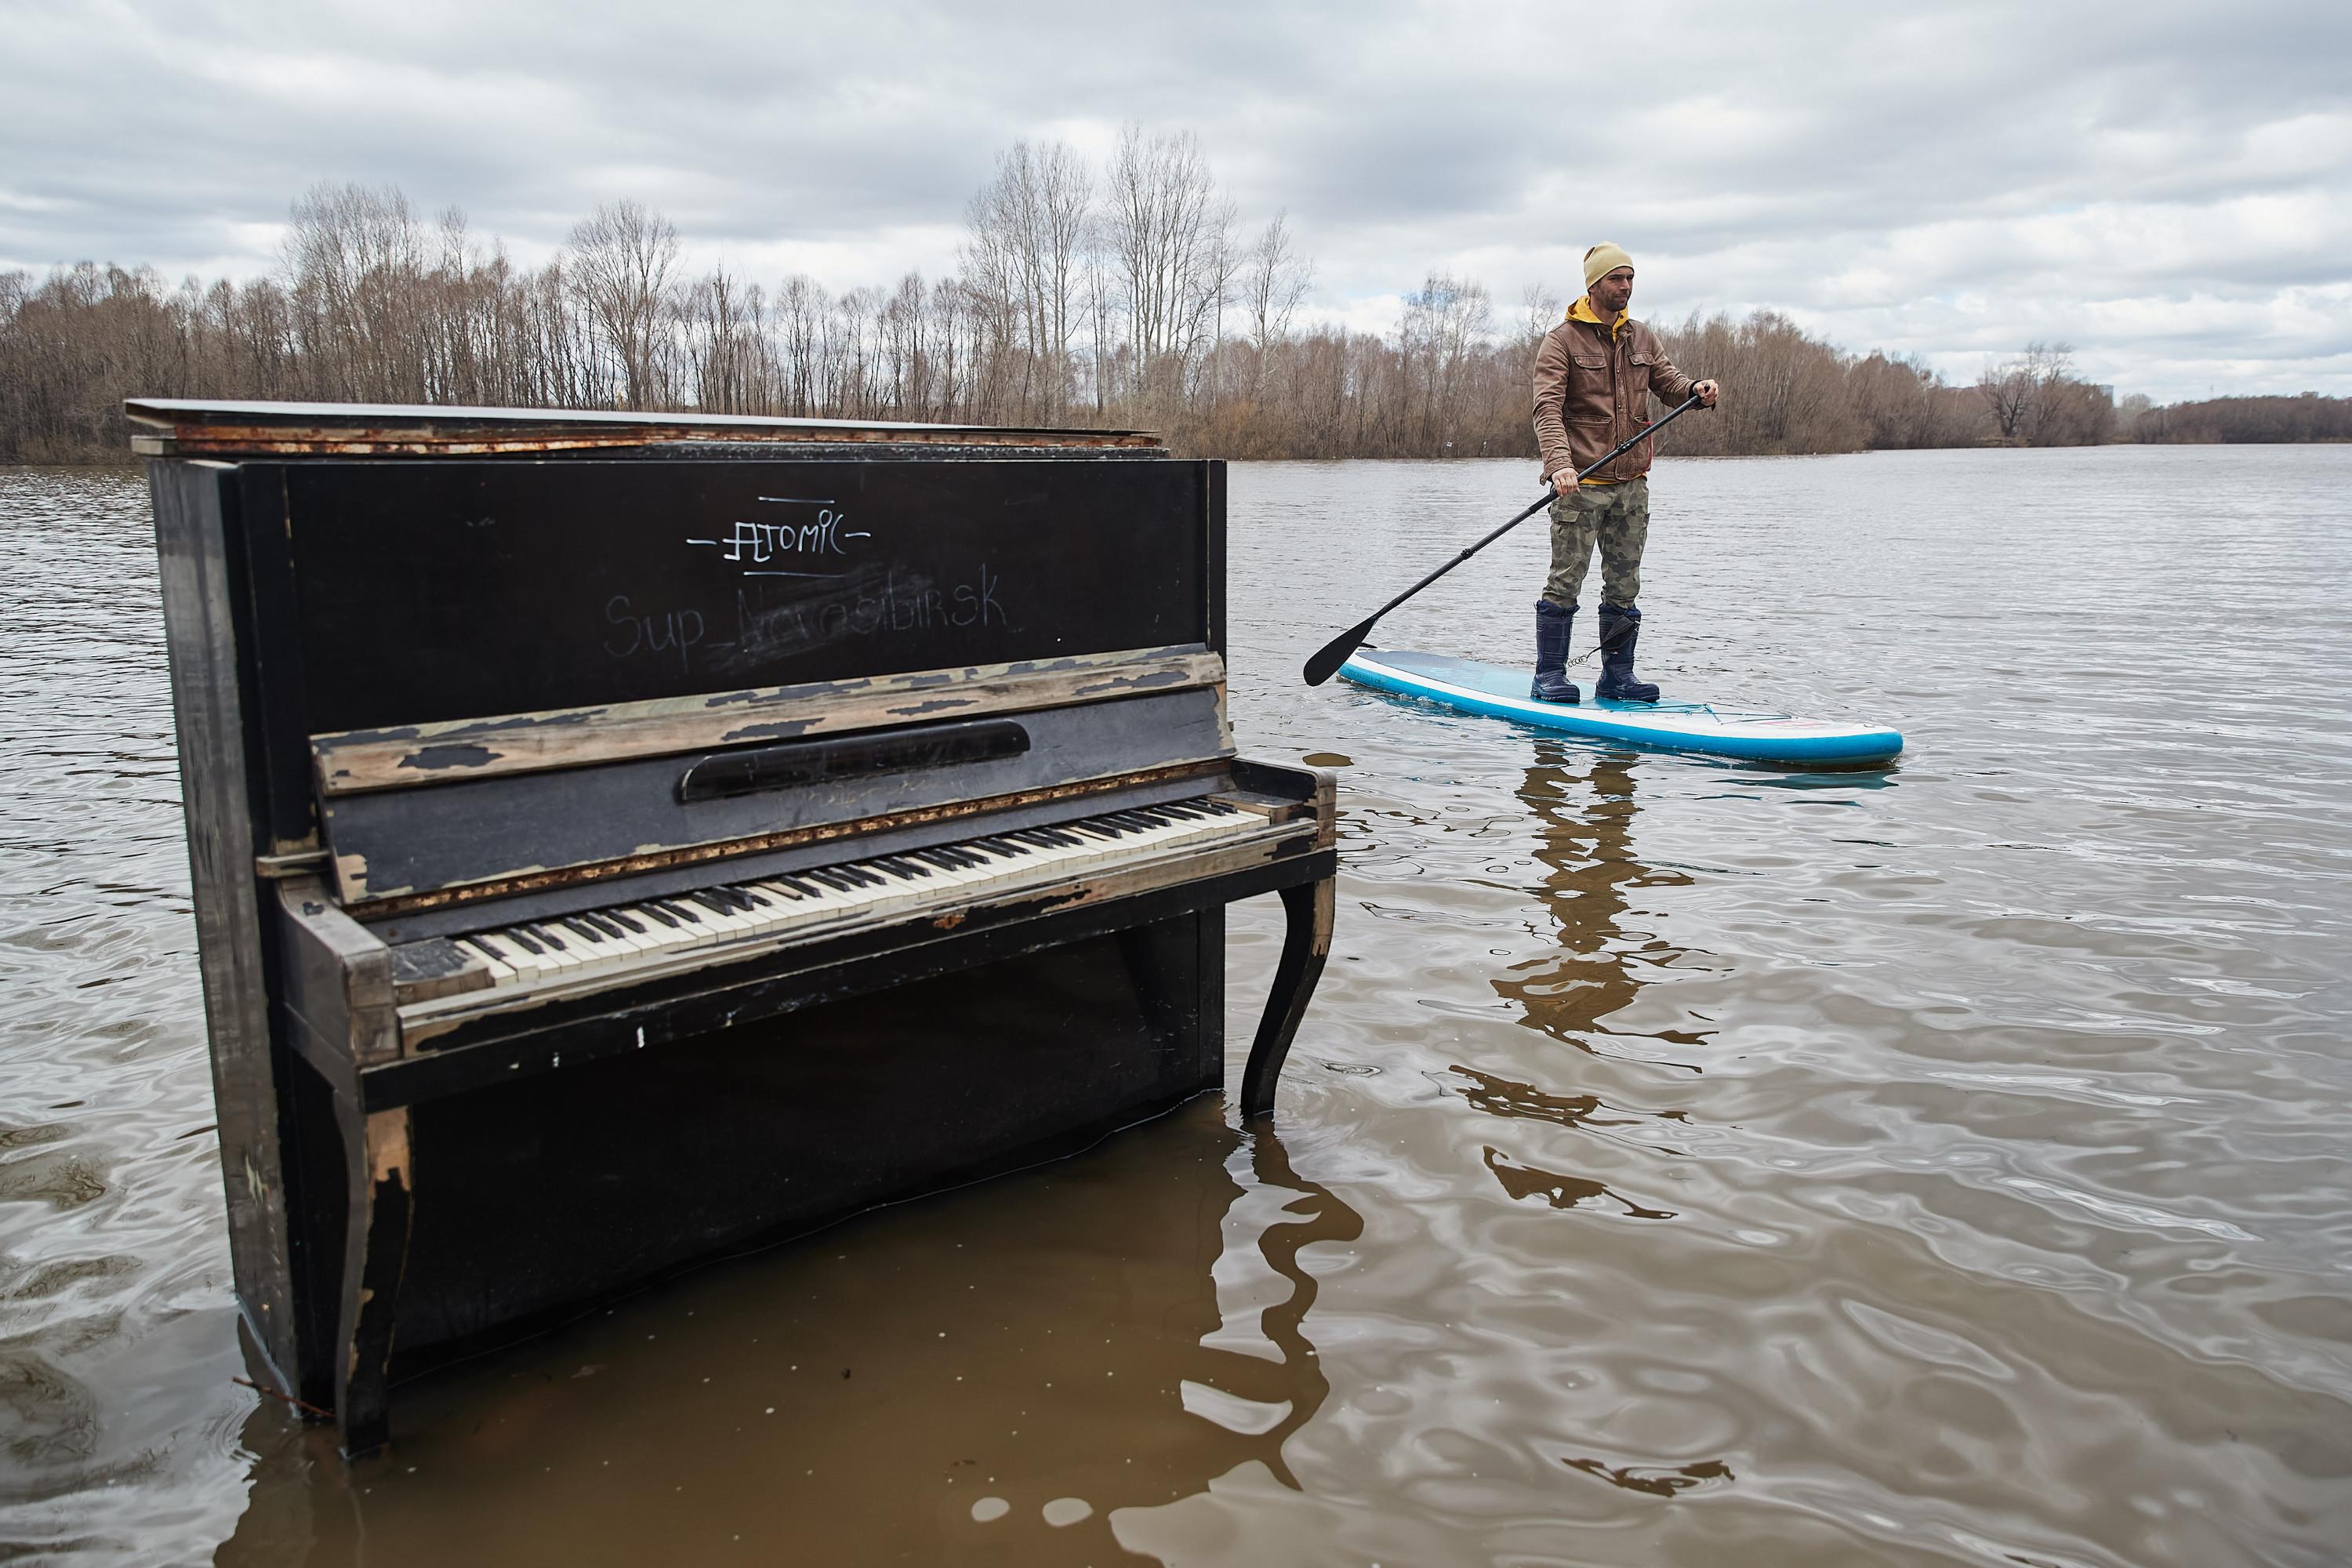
(479, 945)
(626, 922)
(653, 911)
(683, 910)
(548, 936)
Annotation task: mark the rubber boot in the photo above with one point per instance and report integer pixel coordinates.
(1620, 630)
(1551, 683)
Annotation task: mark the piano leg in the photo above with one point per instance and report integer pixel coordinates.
(375, 1254)
(1305, 943)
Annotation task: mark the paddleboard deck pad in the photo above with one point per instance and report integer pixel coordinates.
(1467, 686)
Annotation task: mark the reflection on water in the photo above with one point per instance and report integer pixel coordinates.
(1583, 802)
(1682, 1163)
(929, 1384)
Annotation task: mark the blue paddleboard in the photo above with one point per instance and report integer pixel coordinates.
(1470, 686)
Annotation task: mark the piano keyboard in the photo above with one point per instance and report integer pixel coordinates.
(572, 946)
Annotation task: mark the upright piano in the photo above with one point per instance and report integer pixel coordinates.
(617, 838)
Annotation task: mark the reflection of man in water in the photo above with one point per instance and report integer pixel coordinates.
(1586, 809)
(1587, 847)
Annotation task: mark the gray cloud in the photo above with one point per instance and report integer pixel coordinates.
(2164, 185)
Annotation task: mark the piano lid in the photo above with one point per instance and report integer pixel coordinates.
(184, 427)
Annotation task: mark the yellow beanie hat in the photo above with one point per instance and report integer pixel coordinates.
(1601, 260)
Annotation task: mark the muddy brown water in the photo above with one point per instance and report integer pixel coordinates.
(1683, 1163)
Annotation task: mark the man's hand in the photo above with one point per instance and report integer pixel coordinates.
(1706, 391)
(1563, 480)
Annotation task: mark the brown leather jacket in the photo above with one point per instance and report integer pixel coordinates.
(1592, 393)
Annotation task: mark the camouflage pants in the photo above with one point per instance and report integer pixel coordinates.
(1616, 517)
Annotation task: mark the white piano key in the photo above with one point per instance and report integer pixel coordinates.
(507, 964)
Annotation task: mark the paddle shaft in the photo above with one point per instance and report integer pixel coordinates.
(1549, 494)
(1353, 638)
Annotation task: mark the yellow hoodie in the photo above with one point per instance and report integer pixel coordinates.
(1582, 310)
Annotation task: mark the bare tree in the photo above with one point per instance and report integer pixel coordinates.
(1446, 322)
(1026, 255)
(355, 262)
(619, 262)
(733, 352)
(1540, 310)
(1275, 281)
(1164, 231)
(801, 306)
(2018, 391)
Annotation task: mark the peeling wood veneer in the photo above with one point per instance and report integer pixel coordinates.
(428, 755)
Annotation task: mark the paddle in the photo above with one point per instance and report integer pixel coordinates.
(1333, 654)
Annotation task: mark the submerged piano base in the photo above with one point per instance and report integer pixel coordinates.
(476, 1193)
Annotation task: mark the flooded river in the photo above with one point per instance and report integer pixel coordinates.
(1682, 1162)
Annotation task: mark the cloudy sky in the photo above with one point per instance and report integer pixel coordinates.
(2167, 187)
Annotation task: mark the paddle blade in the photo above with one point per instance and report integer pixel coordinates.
(1333, 654)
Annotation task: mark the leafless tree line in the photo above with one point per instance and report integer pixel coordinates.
(1120, 296)
(2305, 417)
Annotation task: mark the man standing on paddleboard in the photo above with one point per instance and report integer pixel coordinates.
(1594, 375)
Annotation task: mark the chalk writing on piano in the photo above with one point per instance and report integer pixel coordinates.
(878, 605)
(868, 604)
(667, 631)
(755, 541)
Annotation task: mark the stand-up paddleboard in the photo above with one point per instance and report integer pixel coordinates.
(1469, 687)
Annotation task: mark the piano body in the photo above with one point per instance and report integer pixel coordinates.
(617, 838)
